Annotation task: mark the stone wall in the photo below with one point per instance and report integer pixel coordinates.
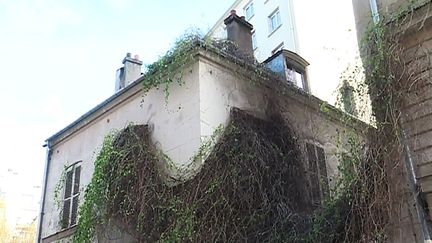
(417, 107)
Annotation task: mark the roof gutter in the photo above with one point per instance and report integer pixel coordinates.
(45, 183)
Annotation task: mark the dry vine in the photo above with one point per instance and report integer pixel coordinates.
(380, 194)
(251, 188)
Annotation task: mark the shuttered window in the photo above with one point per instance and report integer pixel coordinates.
(317, 173)
(71, 197)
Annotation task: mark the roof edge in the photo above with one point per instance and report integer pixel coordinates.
(198, 49)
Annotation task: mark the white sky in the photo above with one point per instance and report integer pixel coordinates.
(58, 60)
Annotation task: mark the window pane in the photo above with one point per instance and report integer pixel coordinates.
(249, 11)
(290, 75)
(278, 19)
(77, 180)
(68, 185)
(275, 21)
(299, 79)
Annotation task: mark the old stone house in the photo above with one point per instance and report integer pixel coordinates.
(214, 82)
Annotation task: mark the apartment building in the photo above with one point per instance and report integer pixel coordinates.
(270, 33)
(321, 32)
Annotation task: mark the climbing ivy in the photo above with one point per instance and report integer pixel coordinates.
(171, 67)
(93, 210)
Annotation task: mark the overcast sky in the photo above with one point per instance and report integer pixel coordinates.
(58, 60)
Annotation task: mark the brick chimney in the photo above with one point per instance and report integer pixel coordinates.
(130, 71)
(239, 31)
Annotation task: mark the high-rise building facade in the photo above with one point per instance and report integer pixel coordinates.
(321, 32)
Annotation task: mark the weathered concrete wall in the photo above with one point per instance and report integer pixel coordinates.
(224, 87)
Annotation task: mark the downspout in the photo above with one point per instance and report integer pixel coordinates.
(409, 163)
(45, 183)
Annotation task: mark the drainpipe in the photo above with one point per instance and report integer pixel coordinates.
(421, 214)
(45, 183)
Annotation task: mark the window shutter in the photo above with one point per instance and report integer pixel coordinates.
(74, 210)
(66, 213)
(77, 180)
(71, 197)
(322, 171)
(68, 185)
(313, 174)
(67, 199)
(75, 196)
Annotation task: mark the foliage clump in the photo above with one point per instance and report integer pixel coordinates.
(252, 187)
(171, 67)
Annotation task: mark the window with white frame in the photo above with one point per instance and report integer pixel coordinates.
(317, 171)
(249, 10)
(254, 41)
(274, 20)
(295, 76)
(71, 196)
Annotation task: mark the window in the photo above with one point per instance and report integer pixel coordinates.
(249, 11)
(254, 41)
(295, 76)
(274, 21)
(71, 196)
(317, 171)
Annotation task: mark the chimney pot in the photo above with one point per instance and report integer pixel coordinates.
(233, 12)
(242, 17)
(136, 57)
(128, 54)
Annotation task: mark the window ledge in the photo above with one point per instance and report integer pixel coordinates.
(271, 33)
(63, 233)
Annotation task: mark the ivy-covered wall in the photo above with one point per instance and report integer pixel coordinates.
(395, 54)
